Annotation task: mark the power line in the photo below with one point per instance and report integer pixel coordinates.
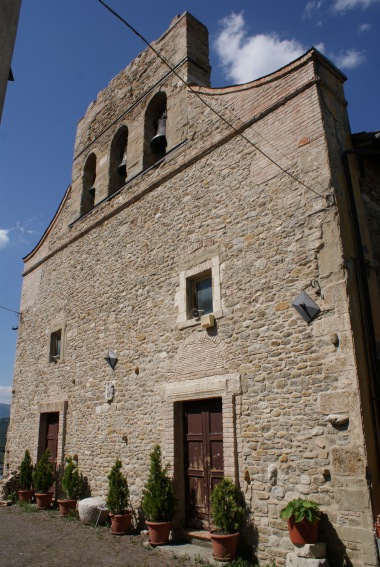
(162, 58)
(12, 310)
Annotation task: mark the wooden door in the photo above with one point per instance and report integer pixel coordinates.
(51, 441)
(203, 435)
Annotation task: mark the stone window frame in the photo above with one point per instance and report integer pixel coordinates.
(186, 277)
(55, 328)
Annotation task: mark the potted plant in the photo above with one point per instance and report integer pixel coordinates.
(302, 517)
(72, 484)
(117, 500)
(25, 493)
(228, 516)
(158, 500)
(43, 479)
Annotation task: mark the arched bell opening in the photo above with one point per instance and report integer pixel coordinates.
(155, 141)
(88, 185)
(118, 170)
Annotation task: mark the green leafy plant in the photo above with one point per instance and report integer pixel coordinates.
(301, 509)
(158, 499)
(118, 491)
(72, 480)
(12, 497)
(227, 512)
(26, 472)
(43, 474)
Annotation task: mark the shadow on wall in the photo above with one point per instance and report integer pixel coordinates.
(249, 539)
(336, 550)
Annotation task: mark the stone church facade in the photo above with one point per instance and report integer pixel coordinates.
(183, 258)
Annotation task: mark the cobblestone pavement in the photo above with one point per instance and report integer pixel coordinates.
(43, 539)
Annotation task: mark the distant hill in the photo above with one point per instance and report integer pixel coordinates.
(5, 410)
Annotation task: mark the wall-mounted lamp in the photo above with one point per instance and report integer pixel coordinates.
(111, 359)
(306, 307)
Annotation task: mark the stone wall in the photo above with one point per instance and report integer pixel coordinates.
(291, 406)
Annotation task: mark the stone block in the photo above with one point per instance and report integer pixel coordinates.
(338, 401)
(347, 461)
(352, 500)
(311, 550)
(293, 560)
(93, 510)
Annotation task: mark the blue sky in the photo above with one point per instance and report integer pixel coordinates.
(66, 52)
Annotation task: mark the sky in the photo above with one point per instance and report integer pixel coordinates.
(66, 52)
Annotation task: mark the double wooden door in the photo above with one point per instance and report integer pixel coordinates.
(203, 434)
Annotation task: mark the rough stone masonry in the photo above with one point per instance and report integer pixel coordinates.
(119, 269)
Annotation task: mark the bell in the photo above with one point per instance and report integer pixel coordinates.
(122, 167)
(158, 143)
(92, 191)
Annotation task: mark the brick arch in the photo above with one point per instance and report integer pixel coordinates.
(200, 354)
(155, 111)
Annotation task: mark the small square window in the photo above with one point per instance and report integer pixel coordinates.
(199, 288)
(55, 346)
(199, 292)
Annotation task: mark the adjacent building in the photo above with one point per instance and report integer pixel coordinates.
(210, 283)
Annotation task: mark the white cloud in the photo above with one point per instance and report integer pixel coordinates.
(364, 27)
(5, 394)
(321, 47)
(344, 60)
(350, 59)
(344, 5)
(311, 8)
(4, 238)
(247, 58)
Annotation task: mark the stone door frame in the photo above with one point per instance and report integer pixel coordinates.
(225, 386)
(52, 407)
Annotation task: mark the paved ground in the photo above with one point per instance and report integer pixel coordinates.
(43, 539)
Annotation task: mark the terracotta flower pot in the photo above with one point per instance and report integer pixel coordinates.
(43, 500)
(224, 546)
(158, 532)
(121, 523)
(302, 532)
(25, 496)
(66, 506)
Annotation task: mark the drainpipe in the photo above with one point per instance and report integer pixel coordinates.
(365, 300)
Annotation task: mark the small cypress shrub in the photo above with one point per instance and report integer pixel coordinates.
(43, 474)
(118, 491)
(72, 480)
(158, 499)
(26, 472)
(227, 513)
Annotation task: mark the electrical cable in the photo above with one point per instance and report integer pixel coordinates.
(162, 58)
(12, 310)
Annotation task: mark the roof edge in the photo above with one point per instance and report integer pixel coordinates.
(50, 226)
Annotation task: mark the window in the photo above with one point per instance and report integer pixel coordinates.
(55, 346)
(199, 288)
(200, 294)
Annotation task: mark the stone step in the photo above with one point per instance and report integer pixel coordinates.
(195, 537)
